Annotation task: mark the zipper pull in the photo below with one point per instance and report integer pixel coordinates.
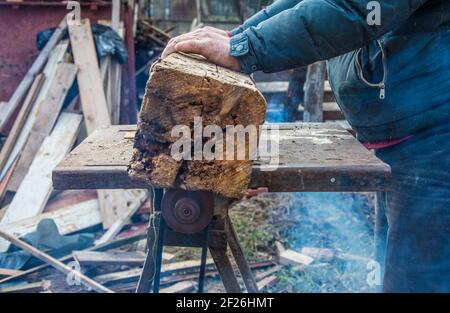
(382, 92)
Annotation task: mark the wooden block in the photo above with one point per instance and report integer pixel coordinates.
(45, 120)
(181, 88)
(54, 148)
(290, 257)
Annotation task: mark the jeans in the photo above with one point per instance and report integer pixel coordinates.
(412, 232)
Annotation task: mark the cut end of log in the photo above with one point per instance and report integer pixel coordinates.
(180, 89)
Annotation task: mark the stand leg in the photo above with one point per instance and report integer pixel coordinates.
(239, 257)
(148, 271)
(226, 271)
(159, 252)
(201, 278)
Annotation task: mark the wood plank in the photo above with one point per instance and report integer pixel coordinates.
(34, 70)
(93, 100)
(290, 257)
(312, 157)
(56, 56)
(21, 119)
(38, 179)
(95, 258)
(63, 268)
(69, 219)
(45, 120)
(35, 287)
(6, 272)
(95, 108)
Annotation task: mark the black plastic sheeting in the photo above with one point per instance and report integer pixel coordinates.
(48, 239)
(107, 41)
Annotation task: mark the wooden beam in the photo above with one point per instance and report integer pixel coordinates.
(55, 263)
(33, 193)
(180, 90)
(181, 287)
(34, 70)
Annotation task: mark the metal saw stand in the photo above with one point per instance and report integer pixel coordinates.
(215, 236)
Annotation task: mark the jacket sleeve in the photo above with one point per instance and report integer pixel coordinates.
(272, 10)
(315, 30)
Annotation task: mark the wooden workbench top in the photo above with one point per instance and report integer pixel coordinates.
(313, 157)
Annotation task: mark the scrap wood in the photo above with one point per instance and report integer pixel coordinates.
(291, 257)
(46, 118)
(34, 70)
(110, 245)
(55, 263)
(92, 258)
(67, 198)
(327, 255)
(6, 272)
(267, 282)
(21, 119)
(27, 204)
(56, 56)
(181, 287)
(40, 286)
(70, 219)
(137, 198)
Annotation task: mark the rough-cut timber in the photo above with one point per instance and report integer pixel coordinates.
(179, 89)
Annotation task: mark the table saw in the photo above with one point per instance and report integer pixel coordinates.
(312, 157)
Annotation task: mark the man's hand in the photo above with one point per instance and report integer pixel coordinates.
(212, 43)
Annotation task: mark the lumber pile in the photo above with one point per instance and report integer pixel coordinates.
(181, 89)
(67, 94)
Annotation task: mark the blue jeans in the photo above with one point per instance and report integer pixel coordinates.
(413, 219)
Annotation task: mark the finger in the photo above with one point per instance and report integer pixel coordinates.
(191, 46)
(170, 48)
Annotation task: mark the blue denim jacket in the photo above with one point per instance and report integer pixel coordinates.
(391, 80)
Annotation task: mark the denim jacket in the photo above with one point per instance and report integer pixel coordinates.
(390, 80)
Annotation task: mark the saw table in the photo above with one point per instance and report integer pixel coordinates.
(312, 157)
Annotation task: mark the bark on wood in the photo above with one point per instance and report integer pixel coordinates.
(179, 89)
